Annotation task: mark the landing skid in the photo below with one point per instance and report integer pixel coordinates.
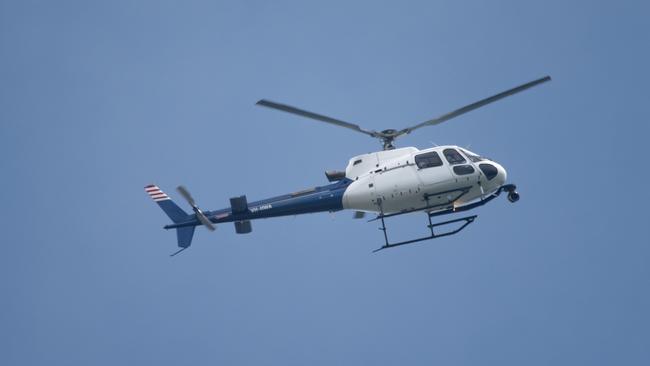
(513, 196)
(467, 220)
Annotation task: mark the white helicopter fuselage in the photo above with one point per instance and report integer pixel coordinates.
(409, 179)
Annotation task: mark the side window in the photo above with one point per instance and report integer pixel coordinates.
(428, 160)
(463, 169)
(453, 156)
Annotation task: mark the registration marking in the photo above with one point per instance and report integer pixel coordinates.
(261, 208)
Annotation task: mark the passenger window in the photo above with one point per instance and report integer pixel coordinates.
(453, 156)
(428, 160)
(463, 169)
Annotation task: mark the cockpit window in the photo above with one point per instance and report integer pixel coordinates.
(453, 156)
(428, 160)
(473, 157)
(489, 170)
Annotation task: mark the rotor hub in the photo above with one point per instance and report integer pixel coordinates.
(387, 137)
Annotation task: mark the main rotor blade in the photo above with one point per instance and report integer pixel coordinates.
(473, 106)
(186, 194)
(318, 117)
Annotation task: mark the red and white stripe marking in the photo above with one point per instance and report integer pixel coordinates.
(156, 193)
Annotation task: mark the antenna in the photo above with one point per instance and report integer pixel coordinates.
(180, 250)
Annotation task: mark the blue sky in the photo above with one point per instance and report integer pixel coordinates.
(99, 99)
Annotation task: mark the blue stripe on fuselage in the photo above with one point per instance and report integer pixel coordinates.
(318, 199)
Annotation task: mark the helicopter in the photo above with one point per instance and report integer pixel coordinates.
(394, 181)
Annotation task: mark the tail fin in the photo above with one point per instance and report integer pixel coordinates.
(184, 236)
(176, 214)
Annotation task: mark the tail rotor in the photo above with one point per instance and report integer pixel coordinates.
(199, 214)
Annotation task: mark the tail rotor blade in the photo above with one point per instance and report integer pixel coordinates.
(199, 214)
(204, 220)
(186, 194)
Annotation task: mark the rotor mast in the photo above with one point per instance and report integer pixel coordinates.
(387, 137)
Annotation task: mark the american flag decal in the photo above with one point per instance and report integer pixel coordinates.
(154, 192)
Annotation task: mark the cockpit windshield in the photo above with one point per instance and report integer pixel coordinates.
(471, 156)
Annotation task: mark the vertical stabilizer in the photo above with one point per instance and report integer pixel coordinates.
(175, 213)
